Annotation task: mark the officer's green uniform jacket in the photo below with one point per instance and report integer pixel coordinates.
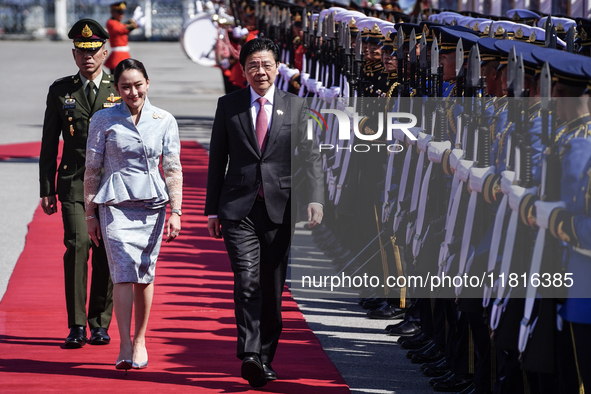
(68, 113)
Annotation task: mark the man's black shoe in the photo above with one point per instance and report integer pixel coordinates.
(99, 336)
(252, 370)
(77, 337)
(268, 372)
(407, 329)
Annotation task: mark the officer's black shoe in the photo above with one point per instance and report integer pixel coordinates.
(434, 353)
(414, 352)
(404, 338)
(441, 378)
(470, 390)
(437, 370)
(386, 312)
(407, 329)
(416, 343)
(453, 384)
(99, 336)
(391, 326)
(77, 337)
(336, 252)
(437, 363)
(373, 303)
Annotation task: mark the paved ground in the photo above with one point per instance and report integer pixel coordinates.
(369, 360)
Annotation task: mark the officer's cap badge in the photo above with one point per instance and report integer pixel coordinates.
(86, 32)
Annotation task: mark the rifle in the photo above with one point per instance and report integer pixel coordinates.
(546, 249)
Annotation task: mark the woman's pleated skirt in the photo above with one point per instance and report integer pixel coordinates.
(132, 235)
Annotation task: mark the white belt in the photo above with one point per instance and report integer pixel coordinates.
(120, 49)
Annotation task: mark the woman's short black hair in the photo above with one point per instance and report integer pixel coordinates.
(129, 64)
(258, 45)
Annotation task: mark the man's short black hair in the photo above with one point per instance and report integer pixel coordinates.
(258, 45)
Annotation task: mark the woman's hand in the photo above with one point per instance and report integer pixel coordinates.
(94, 229)
(173, 227)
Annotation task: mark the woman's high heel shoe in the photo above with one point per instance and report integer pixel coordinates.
(124, 364)
(135, 365)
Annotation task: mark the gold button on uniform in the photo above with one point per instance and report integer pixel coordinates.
(65, 166)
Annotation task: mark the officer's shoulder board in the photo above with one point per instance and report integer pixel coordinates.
(61, 81)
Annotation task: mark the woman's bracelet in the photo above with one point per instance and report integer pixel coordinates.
(90, 217)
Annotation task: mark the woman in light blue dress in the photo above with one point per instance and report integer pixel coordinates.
(126, 144)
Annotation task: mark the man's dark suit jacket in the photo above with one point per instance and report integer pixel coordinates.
(231, 194)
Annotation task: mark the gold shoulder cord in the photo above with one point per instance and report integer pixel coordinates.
(389, 95)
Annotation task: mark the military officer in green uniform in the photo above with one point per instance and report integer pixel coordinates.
(71, 102)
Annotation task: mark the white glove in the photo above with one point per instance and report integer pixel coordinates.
(544, 210)
(516, 195)
(423, 141)
(478, 176)
(414, 131)
(282, 69)
(244, 32)
(507, 178)
(463, 169)
(318, 86)
(141, 22)
(290, 72)
(311, 85)
(437, 149)
(335, 91)
(304, 79)
(137, 14)
(454, 158)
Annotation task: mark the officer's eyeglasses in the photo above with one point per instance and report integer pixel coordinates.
(254, 67)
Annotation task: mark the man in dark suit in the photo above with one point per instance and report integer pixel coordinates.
(255, 133)
(71, 102)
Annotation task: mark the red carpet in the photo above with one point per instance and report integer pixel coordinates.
(23, 150)
(191, 334)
